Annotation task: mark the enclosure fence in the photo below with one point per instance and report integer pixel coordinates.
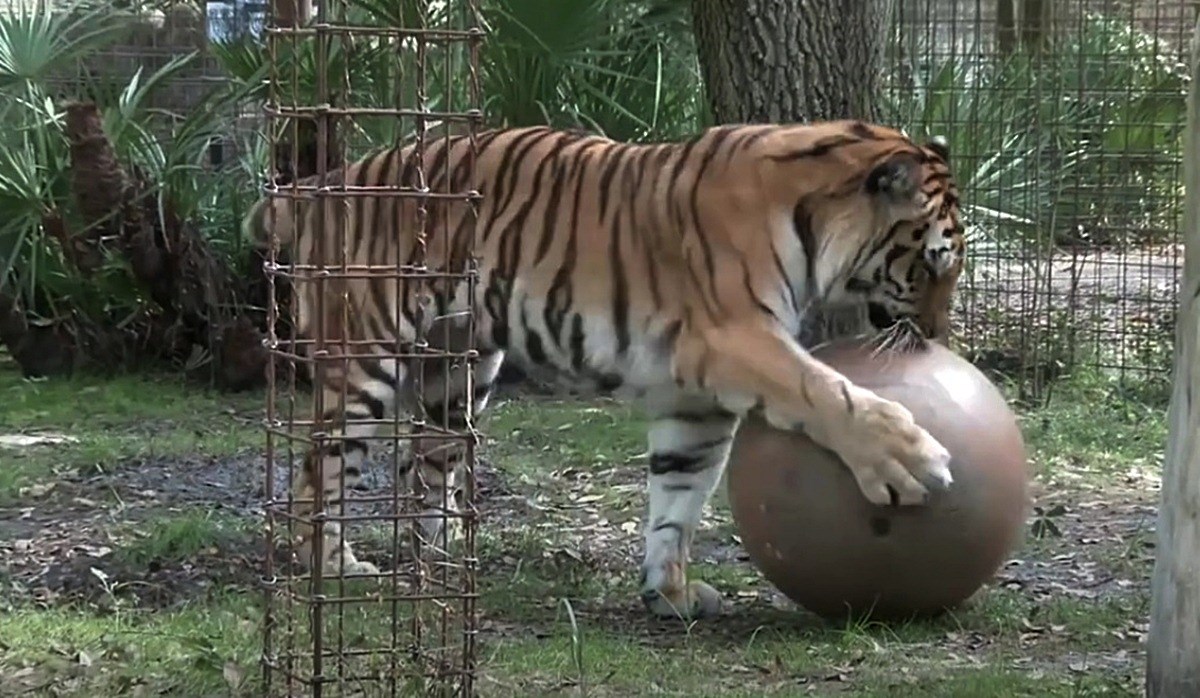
(410, 71)
(1065, 121)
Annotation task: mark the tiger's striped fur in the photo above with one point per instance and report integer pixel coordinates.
(678, 274)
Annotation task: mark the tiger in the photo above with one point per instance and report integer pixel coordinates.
(675, 275)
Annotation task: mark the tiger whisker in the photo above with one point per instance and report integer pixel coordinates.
(902, 337)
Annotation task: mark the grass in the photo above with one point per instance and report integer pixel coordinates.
(116, 421)
(170, 605)
(183, 652)
(176, 538)
(1094, 430)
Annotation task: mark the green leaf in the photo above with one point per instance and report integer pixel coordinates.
(40, 40)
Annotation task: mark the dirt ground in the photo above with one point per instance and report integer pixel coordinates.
(50, 549)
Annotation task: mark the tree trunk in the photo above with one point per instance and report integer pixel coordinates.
(1173, 667)
(1036, 24)
(1006, 26)
(292, 12)
(791, 60)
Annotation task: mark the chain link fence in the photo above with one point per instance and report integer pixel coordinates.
(1065, 120)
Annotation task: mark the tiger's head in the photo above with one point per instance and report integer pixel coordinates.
(909, 269)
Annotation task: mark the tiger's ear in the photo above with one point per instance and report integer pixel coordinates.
(897, 178)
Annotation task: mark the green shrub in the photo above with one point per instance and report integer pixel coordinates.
(43, 50)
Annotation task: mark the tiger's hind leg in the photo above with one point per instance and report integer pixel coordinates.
(689, 447)
(332, 468)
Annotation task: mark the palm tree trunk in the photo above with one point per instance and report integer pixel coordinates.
(791, 60)
(1173, 646)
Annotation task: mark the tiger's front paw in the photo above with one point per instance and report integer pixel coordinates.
(693, 601)
(894, 460)
(668, 593)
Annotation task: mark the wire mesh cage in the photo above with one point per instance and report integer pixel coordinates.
(370, 581)
(1065, 121)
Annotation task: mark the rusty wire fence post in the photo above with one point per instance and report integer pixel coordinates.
(352, 77)
(1065, 121)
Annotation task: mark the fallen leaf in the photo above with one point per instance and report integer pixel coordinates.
(234, 676)
(1030, 627)
(22, 673)
(26, 440)
(37, 490)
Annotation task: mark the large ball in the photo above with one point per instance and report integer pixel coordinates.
(811, 532)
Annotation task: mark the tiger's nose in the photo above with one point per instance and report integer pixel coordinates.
(935, 260)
